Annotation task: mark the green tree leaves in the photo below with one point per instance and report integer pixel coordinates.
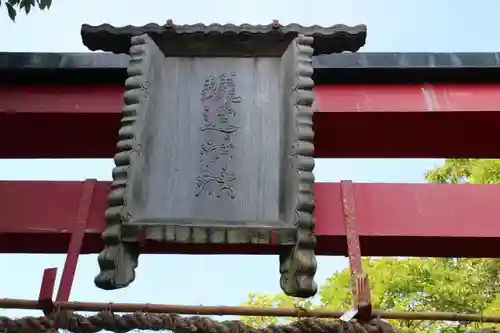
(466, 170)
(13, 6)
(414, 284)
(417, 284)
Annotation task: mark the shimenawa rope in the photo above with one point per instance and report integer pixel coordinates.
(108, 321)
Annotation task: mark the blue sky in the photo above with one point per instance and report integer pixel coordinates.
(393, 26)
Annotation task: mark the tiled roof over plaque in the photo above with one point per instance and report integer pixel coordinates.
(225, 40)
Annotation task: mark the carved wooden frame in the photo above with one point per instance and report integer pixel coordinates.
(295, 235)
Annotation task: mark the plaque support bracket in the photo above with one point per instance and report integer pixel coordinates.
(361, 298)
(71, 262)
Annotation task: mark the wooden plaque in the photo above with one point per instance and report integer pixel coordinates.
(215, 146)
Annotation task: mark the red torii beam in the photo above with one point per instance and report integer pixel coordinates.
(392, 219)
(351, 121)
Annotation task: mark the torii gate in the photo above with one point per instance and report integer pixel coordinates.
(398, 105)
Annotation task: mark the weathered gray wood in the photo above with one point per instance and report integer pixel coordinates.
(119, 257)
(298, 262)
(224, 40)
(175, 177)
(215, 150)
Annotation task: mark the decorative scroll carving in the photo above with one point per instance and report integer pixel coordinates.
(218, 98)
(298, 263)
(118, 260)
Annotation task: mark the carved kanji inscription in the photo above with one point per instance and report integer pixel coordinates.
(219, 102)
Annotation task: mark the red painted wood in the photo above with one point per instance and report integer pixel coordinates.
(352, 121)
(47, 290)
(85, 99)
(408, 98)
(76, 240)
(47, 286)
(361, 298)
(392, 219)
